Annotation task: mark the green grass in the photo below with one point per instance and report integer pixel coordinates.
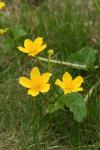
(67, 26)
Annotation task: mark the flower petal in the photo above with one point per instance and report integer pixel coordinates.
(45, 88)
(42, 47)
(25, 82)
(2, 4)
(45, 77)
(67, 91)
(59, 83)
(33, 92)
(34, 53)
(28, 43)
(78, 81)
(35, 74)
(22, 49)
(67, 78)
(77, 89)
(38, 42)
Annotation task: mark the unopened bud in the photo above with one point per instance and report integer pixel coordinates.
(3, 31)
(50, 52)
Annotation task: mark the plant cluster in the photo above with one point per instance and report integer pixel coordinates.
(38, 83)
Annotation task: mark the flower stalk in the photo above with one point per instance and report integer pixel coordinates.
(69, 64)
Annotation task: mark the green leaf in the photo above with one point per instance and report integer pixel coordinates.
(86, 56)
(75, 102)
(54, 107)
(50, 109)
(18, 32)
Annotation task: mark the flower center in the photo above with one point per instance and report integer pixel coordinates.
(69, 86)
(37, 86)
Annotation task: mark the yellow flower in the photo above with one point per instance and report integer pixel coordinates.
(3, 31)
(37, 82)
(70, 85)
(2, 4)
(33, 47)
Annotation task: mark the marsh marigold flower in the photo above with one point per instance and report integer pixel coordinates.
(37, 82)
(32, 48)
(2, 4)
(70, 85)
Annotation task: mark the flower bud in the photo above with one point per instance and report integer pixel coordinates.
(50, 52)
(3, 31)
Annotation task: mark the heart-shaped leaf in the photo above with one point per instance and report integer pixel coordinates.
(86, 56)
(74, 101)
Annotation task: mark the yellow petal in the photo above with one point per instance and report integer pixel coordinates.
(59, 83)
(67, 91)
(42, 47)
(34, 53)
(22, 49)
(33, 92)
(38, 42)
(77, 89)
(45, 77)
(28, 43)
(67, 78)
(78, 81)
(38, 50)
(45, 88)
(25, 82)
(35, 74)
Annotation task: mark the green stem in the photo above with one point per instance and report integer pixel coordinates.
(48, 63)
(77, 66)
